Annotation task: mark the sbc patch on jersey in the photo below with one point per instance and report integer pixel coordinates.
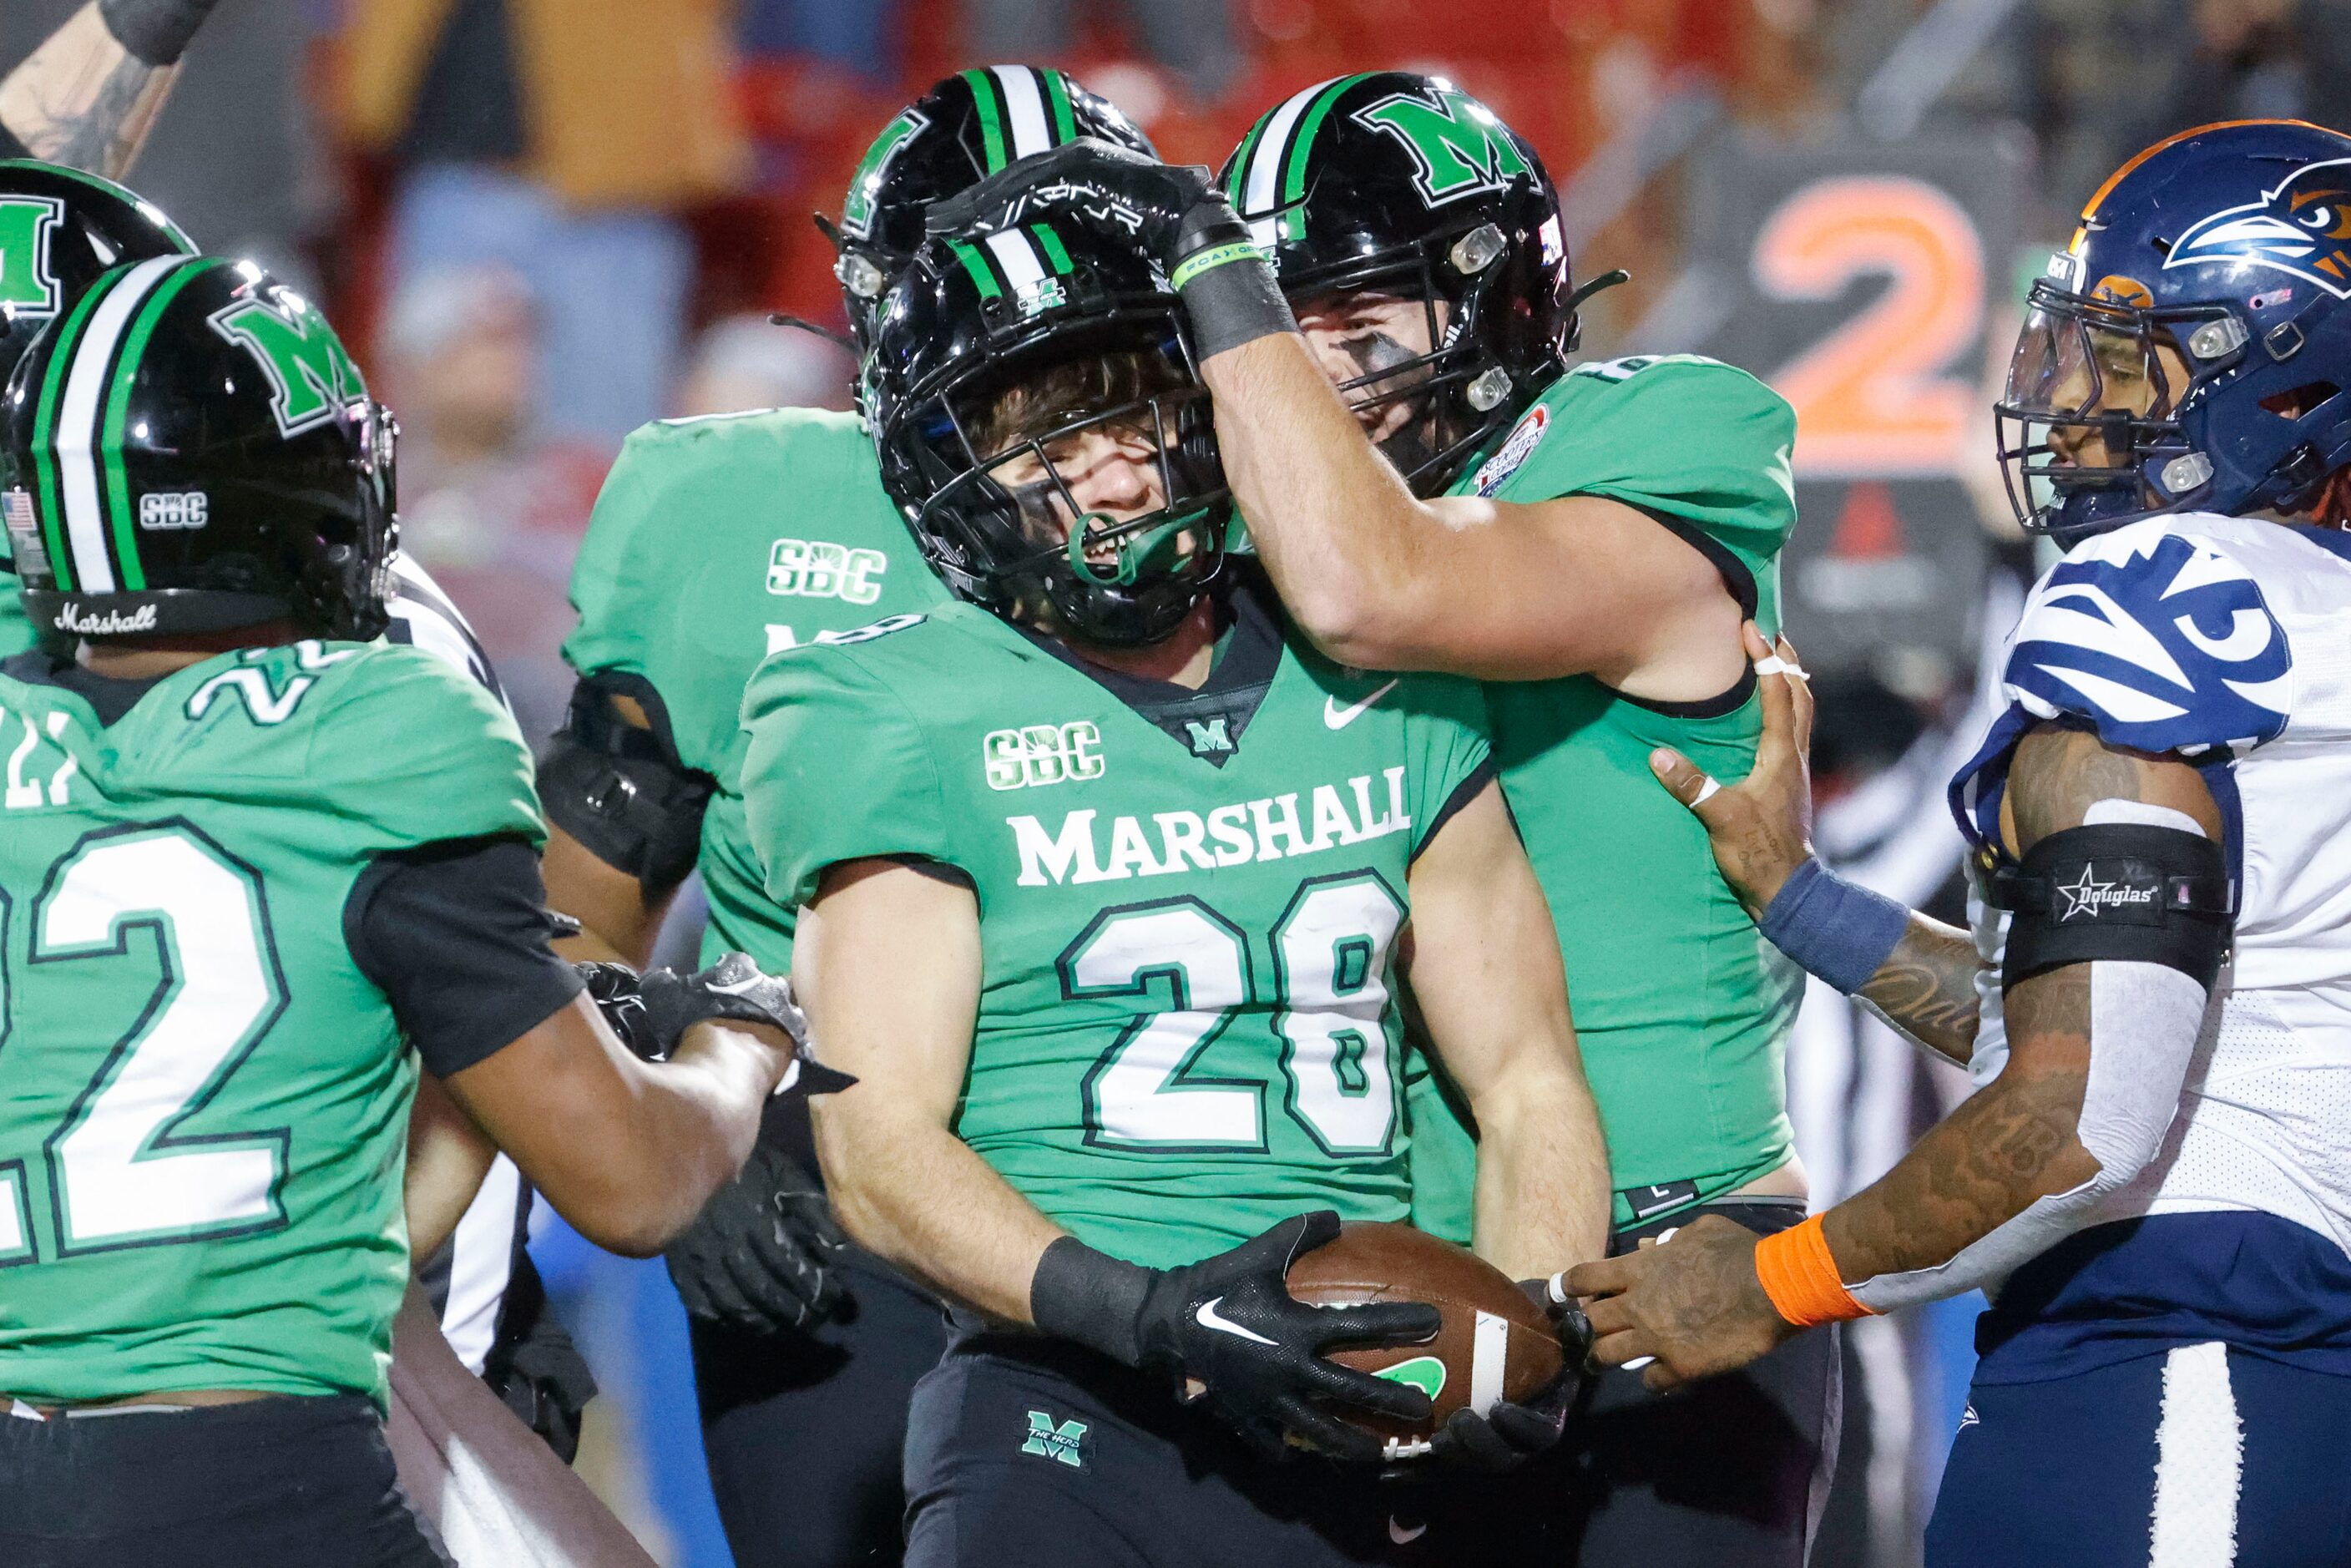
(2162, 641)
(1496, 471)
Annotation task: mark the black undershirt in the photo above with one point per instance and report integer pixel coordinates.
(454, 933)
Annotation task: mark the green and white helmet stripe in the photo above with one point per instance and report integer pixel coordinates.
(1027, 264)
(99, 183)
(1270, 171)
(84, 497)
(1022, 111)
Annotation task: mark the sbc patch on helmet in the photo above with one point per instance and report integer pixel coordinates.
(1496, 471)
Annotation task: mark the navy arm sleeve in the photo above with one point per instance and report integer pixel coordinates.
(456, 934)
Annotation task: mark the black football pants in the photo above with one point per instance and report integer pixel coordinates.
(271, 1483)
(805, 1433)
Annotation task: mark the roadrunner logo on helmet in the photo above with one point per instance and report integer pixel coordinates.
(177, 377)
(2189, 350)
(1400, 184)
(997, 358)
(965, 127)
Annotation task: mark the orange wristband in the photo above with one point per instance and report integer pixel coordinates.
(1802, 1279)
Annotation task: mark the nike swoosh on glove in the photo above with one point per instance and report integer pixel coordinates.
(1508, 1435)
(1230, 1323)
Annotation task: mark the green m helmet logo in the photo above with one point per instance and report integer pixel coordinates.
(311, 375)
(865, 186)
(28, 287)
(1460, 145)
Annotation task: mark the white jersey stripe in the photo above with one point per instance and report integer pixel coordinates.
(1262, 193)
(79, 413)
(1025, 113)
(2199, 1452)
(1023, 268)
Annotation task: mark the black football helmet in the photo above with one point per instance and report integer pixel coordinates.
(190, 448)
(59, 229)
(965, 127)
(1393, 182)
(974, 322)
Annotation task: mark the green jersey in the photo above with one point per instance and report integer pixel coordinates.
(1188, 901)
(203, 1101)
(714, 543)
(1681, 1006)
(15, 626)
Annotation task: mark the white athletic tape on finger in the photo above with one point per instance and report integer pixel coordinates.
(1706, 791)
(1638, 1362)
(1489, 1357)
(1772, 664)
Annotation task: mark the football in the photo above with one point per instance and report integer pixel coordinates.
(1494, 1343)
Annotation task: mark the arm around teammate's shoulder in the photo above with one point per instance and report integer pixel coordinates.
(1495, 589)
(1484, 962)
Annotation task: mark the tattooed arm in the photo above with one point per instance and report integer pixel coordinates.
(1699, 1304)
(86, 98)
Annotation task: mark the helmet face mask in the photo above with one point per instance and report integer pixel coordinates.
(1056, 462)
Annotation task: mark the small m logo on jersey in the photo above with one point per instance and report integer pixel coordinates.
(1064, 1442)
(1209, 739)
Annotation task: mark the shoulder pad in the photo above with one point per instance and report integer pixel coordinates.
(2159, 639)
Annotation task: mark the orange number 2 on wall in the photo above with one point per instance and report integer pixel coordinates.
(1874, 398)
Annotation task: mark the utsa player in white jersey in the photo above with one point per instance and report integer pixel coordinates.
(253, 856)
(2153, 1180)
(715, 542)
(1108, 883)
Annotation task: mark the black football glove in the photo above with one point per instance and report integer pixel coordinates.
(764, 1253)
(618, 992)
(1175, 214)
(652, 1012)
(1508, 1435)
(155, 32)
(1229, 1324)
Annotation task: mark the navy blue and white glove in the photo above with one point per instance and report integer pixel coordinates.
(764, 1254)
(1228, 1332)
(1508, 1435)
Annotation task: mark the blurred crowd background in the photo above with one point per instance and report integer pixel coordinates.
(549, 221)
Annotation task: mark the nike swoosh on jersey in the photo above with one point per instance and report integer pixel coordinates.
(1338, 718)
(1209, 1318)
(1405, 1534)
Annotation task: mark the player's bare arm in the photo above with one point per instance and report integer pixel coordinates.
(627, 1150)
(1760, 831)
(1699, 1304)
(1485, 968)
(902, 1184)
(1383, 579)
(88, 96)
(448, 1156)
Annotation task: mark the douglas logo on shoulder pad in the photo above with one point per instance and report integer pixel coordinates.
(113, 623)
(2088, 898)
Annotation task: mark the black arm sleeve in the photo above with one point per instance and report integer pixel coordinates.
(621, 791)
(457, 936)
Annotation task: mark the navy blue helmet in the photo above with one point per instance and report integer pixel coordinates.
(2190, 351)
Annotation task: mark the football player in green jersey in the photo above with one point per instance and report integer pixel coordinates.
(714, 543)
(1586, 541)
(252, 856)
(1109, 884)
